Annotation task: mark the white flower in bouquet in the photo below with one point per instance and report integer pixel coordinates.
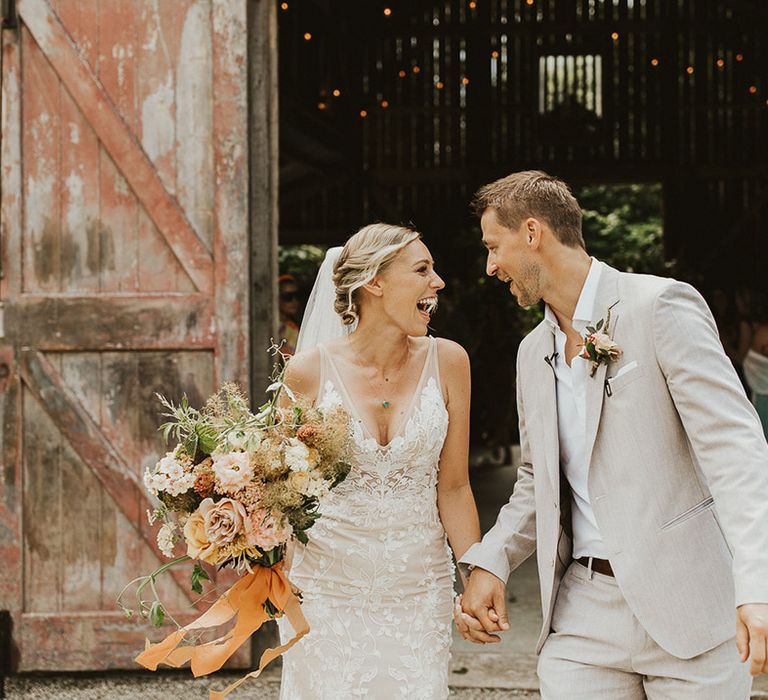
(166, 539)
(297, 455)
(233, 470)
(309, 484)
(169, 476)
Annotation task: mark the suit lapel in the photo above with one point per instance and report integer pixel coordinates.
(547, 398)
(607, 298)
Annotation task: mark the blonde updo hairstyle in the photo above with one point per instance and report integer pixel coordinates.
(366, 254)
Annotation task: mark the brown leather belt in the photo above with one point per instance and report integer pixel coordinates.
(601, 566)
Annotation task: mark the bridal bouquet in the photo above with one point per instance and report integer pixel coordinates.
(236, 488)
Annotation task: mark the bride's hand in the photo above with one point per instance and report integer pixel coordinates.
(483, 608)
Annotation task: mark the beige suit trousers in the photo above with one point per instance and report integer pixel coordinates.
(597, 649)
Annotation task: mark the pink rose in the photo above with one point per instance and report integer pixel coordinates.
(224, 520)
(264, 531)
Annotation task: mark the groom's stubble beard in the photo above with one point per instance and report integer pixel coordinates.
(528, 284)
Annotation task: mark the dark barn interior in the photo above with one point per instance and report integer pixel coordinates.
(398, 110)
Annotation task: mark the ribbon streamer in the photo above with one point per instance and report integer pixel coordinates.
(245, 600)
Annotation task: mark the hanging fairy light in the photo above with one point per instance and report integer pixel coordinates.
(753, 89)
(402, 74)
(416, 70)
(283, 5)
(739, 57)
(321, 106)
(472, 5)
(337, 92)
(307, 36)
(387, 11)
(615, 36)
(494, 54)
(654, 62)
(384, 104)
(720, 63)
(363, 113)
(465, 81)
(439, 85)
(689, 70)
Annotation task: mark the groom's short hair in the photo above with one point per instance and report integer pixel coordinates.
(537, 194)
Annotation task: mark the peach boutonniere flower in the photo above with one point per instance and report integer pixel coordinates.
(598, 347)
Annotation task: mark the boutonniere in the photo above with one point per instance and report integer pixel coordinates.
(598, 346)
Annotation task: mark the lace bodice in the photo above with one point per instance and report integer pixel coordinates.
(396, 482)
(377, 575)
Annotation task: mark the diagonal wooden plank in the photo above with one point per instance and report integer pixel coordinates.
(93, 448)
(134, 164)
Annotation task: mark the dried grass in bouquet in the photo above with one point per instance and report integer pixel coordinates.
(234, 491)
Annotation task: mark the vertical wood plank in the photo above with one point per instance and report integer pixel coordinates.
(79, 176)
(40, 147)
(194, 120)
(41, 505)
(118, 208)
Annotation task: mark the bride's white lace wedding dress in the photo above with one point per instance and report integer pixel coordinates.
(377, 574)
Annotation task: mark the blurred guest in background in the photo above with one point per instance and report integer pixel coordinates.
(290, 306)
(753, 348)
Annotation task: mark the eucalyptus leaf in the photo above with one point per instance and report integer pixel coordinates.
(157, 614)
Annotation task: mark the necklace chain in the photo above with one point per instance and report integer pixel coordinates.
(386, 403)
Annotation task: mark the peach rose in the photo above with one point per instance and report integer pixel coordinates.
(223, 520)
(198, 544)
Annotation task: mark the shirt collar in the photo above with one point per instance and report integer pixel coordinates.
(585, 307)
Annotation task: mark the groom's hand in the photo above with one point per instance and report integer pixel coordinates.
(484, 600)
(752, 636)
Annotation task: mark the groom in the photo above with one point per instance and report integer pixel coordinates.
(644, 478)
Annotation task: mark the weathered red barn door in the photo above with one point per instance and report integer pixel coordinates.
(124, 272)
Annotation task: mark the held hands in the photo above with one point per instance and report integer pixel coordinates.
(752, 636)
(481, 610)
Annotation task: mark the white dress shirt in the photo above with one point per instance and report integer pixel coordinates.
(571, 384)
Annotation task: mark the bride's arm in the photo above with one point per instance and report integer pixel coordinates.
(302, 376)
(455, 501)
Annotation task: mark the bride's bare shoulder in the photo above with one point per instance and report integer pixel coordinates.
(451, 353)
(302, 373)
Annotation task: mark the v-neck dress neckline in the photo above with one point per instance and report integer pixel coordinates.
(353, 409)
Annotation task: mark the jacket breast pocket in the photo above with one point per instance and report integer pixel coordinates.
(623, 376)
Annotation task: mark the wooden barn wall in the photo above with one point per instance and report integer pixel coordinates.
(125, 257)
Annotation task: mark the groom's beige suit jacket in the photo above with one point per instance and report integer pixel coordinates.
(678, 470)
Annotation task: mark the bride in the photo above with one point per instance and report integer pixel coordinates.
(377, 575)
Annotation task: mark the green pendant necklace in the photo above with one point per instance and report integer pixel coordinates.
(386, 403)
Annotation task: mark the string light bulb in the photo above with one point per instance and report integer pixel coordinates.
(529, 2)
(689, 70)
(615, 36)
(402, 73)
(439, 85)
(753, 89)
(336, 92)
(321, 105)
(720, 62)
(494, 54)
(739, 57)
(387, 11)
(284, 6)
(654, 62)
(472, 5)
(307, 36)
(363, 113)
(465, 81)
(416, 70)
(384, 104)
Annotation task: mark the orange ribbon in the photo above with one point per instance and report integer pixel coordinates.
(245, 600)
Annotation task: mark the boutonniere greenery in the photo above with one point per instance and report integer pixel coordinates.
(598, 347)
